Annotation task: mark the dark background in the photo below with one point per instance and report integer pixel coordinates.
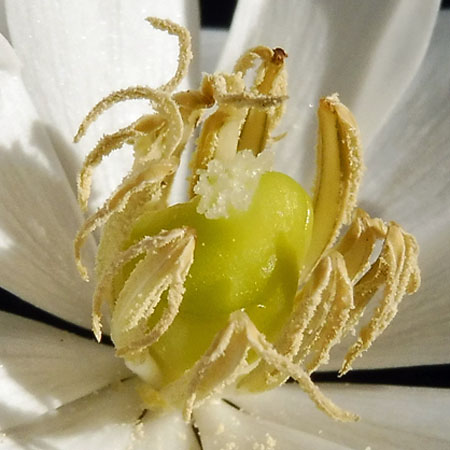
(219, 15)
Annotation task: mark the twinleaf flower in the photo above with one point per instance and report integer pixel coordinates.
(249, 264)
(284, 282)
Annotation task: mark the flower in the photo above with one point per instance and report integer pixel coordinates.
(39, 219)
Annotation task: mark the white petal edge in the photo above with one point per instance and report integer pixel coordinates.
(366, 51)
(407, 180)
(38, 212)
(392, 417)
(75, 53)
(42, 368)
(108, 419)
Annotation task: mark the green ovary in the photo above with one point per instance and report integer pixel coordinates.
(249, 261)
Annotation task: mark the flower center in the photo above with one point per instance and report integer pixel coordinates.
(238, 284)
(250, 261)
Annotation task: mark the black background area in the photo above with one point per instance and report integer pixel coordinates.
(219, 14)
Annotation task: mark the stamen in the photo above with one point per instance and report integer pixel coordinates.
(227, 354)
(161, 101)
(104, 288)
(334, 324)
(141, 92)
(397, 266)
(306, 302)
(247, 100)
(105, 146)
(245, 118)
(339, 170)
(358, 243)
(185, 50)
(266, 54)
(271, 80)
(221, 129)
(318, 321)
(164, 268)
(220, 88)
(151, 177)
(247, 60)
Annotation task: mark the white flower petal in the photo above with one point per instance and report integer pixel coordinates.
(223, 427)
(212, 42)
(107, 419)
(42, 368)
(75, 53)
(165, 432)
(407, 180)
(3, 25)
(101, 420)
(366, 51)
(38, 213)
(8, 59)
(391, 417)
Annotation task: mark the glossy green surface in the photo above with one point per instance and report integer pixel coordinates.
(250, 260)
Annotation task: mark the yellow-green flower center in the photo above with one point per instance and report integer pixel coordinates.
(249, 261)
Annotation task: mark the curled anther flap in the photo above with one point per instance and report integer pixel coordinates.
(185, 49)
(104, 147)
(247, 60)
(161, 100)
(150, 177)
(144, 92)
(192, 105)
(271, 74)
(170, 118)
(358, 243)
(105, 287)
(167, 259)
(170, 134)
(337, 317)
(220, 132)
(271, 82)
(397, 269)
